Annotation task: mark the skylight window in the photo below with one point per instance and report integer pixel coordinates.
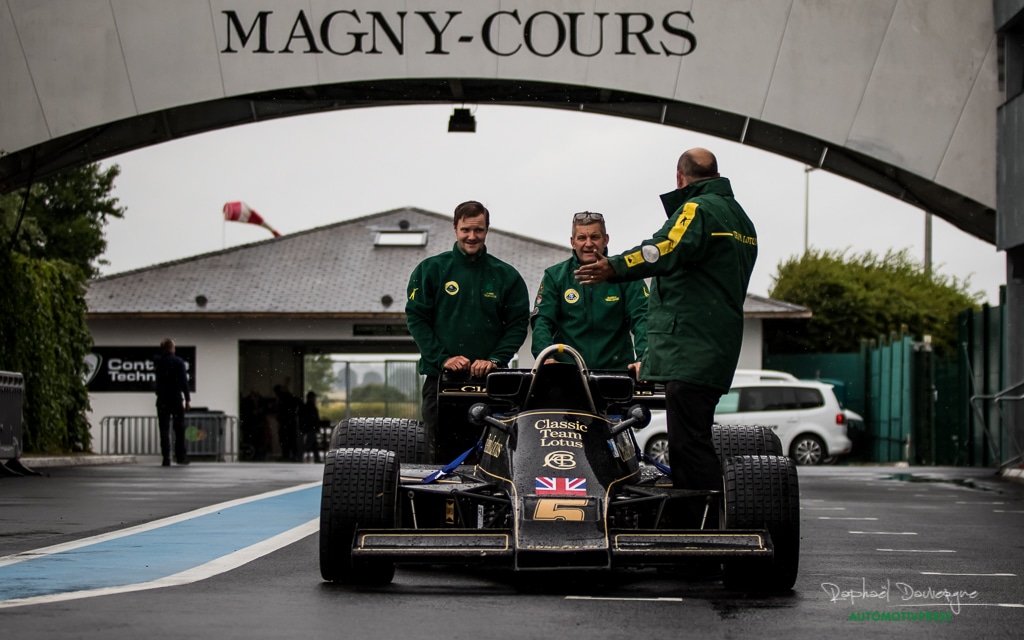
(401, 239)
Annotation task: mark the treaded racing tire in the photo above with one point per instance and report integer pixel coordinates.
(745, 440)
(762, 492)
(360, 489)
(407, 438)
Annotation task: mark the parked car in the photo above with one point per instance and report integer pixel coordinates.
(806, 415)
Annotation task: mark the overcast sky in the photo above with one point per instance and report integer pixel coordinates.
(531, 167)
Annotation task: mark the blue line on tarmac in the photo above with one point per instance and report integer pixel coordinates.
(153, 554)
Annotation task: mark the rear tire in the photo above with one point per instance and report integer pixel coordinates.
(407, 438)
(745, 440)
(360, 489)
(762, 492)
(728, 440)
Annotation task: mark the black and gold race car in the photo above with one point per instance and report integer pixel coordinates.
(544, 474)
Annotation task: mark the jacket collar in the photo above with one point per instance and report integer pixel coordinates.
(673, 200)
(462, 256)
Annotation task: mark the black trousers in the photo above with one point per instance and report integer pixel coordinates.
(169, 414)
(690, 412)
(429, 411)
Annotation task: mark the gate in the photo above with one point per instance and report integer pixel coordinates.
(208, 434)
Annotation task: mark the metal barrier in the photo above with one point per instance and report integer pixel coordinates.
(997, 440)
(12, 394)
(209, 434)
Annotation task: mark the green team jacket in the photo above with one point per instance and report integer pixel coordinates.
(595, 320)
(701, 262)
(456, 306)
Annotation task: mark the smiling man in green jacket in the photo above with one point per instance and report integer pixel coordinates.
(700, 261)
(605, 323)
(467, 310)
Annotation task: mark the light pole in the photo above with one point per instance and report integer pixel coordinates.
(807, 205)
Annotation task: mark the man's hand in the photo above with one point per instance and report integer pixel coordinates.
(481, 368)
(188, 405)
(457, 363)
(595, 272)
(634, 368)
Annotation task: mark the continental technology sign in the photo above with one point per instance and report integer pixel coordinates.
(131, 369)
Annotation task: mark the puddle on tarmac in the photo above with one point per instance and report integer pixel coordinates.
(957, 482)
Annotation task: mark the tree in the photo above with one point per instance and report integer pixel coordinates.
(863, 297)
(319, 374)
(52, 235)
(63, 217)
(377, 392)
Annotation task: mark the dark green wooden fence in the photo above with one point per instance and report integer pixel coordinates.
(917, 405)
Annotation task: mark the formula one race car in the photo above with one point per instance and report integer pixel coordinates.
(554, 481)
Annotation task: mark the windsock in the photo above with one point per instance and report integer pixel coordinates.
(240, 212)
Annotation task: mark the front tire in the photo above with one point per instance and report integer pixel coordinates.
(360, 488)
(762, 492)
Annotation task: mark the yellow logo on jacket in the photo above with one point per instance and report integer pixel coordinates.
(572, 296)
(451, 287)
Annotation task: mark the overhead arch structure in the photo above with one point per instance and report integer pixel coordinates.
(900, 95)
(920, 99)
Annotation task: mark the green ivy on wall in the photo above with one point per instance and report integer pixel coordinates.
(43, 336)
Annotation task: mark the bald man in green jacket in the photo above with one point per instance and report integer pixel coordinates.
(700, 261)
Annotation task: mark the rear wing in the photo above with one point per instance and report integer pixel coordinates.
(507, 389)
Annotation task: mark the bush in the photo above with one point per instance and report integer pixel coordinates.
(44, 336)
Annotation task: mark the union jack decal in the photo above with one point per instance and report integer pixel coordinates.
(561, 486)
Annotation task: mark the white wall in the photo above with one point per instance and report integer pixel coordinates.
(217, 355)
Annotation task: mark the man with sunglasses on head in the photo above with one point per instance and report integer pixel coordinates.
(606, 323)
(700, 261)
(467, 311)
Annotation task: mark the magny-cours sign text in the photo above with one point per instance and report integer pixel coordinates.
(542, 33)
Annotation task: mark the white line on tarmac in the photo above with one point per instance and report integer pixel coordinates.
(210, 569)
(624, 599)
(969, 502)
(917, 550)
(1005, 511)
(843, 518)
(980, 575)
(823, 508)
(1011, 605)
(887, 533)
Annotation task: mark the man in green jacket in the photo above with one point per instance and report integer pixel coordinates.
(466, 309)
(606, 323)
(701, 261)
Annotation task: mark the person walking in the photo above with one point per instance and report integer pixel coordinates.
(172, 400)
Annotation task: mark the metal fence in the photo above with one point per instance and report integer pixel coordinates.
(12, 393)
(207, 435)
